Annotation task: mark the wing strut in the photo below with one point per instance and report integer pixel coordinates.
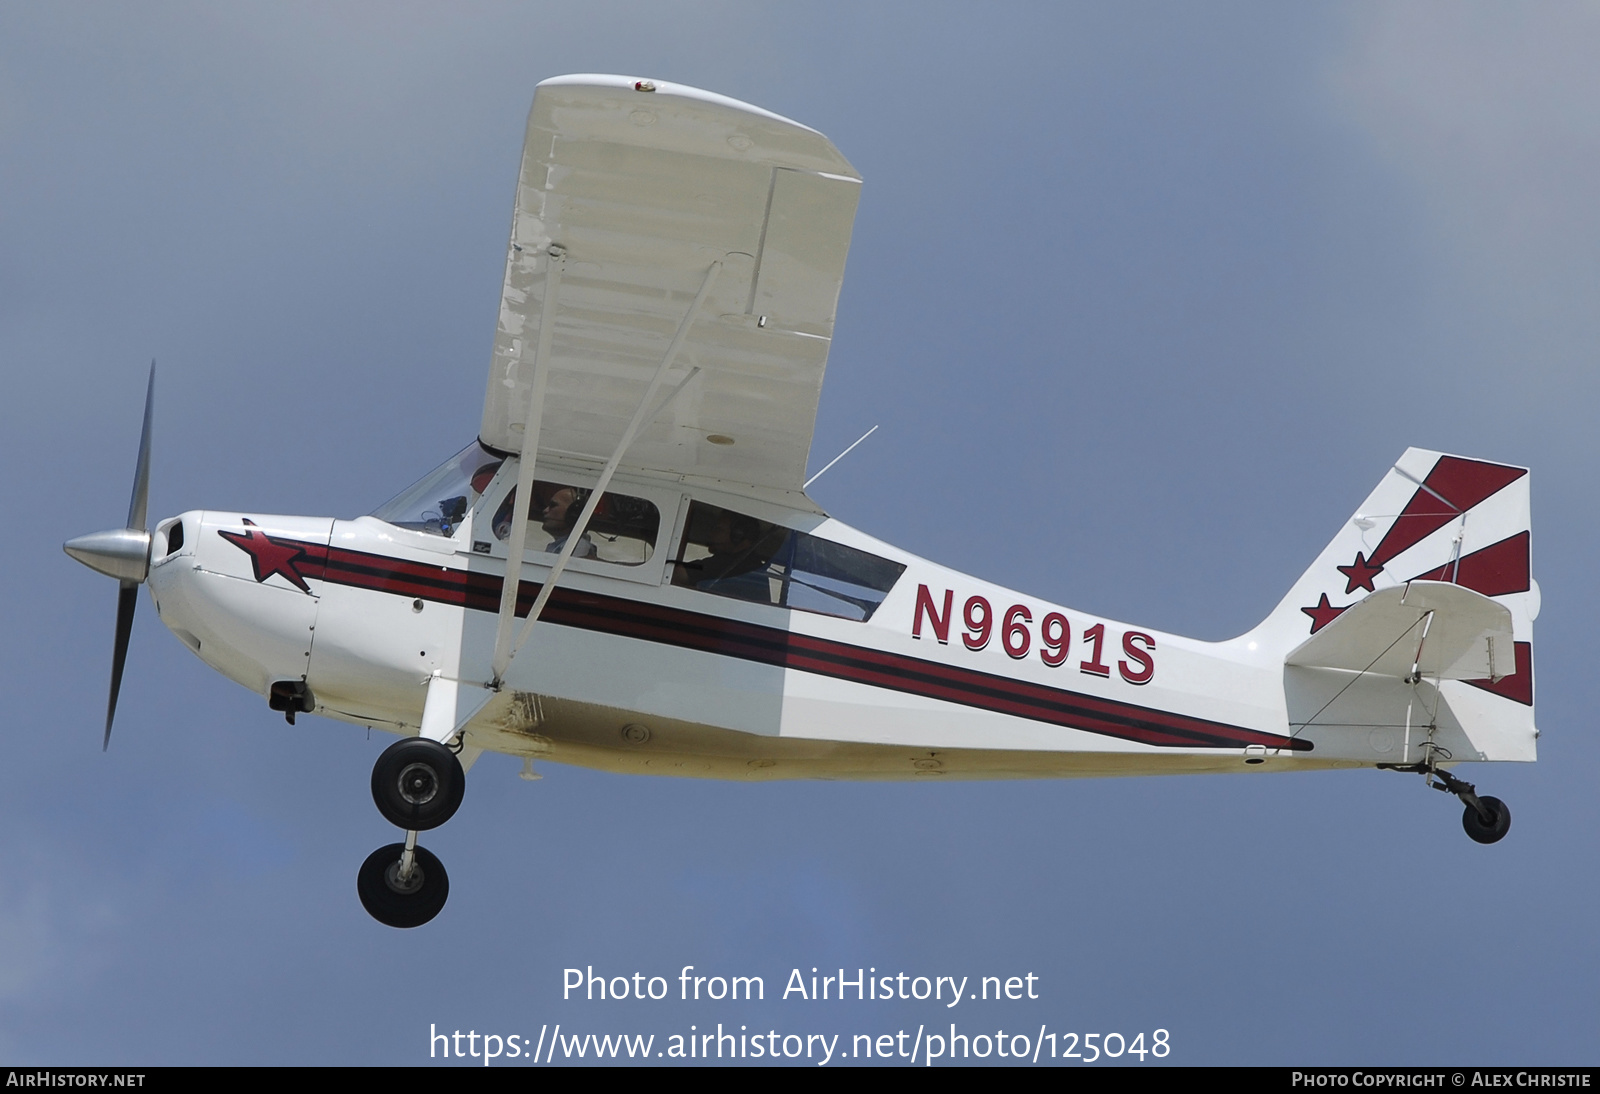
(530, 450)
(646, 411)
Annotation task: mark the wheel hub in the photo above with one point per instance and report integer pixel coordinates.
(418, 783)
(405, 888)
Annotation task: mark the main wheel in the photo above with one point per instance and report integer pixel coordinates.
(1498, 826)
(402, 904)
(417, 784)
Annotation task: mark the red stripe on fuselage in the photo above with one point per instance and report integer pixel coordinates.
(786, 649)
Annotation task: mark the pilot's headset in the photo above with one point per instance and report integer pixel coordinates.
(580, 498)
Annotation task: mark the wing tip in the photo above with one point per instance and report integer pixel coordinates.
(614, 86)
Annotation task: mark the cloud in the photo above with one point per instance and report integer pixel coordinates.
(1492, 114)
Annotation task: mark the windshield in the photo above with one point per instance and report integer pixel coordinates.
(440, 500)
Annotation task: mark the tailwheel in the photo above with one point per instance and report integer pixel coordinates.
(417, 784)
(1491, 828)
(403, 885)
(1486, 819)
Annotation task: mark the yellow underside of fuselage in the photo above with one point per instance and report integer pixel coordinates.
(606, 739)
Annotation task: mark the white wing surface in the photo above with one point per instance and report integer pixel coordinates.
(639, 188)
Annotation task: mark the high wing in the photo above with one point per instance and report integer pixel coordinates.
(638, 189)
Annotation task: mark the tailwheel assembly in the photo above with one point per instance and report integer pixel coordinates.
(1486, 819)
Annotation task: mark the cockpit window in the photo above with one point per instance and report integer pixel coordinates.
(440, 500)
(623, 529)
(732, 554)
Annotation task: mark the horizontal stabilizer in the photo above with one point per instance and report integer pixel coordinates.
(1445, 631)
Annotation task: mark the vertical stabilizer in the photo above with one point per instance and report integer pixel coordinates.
(1436, 518)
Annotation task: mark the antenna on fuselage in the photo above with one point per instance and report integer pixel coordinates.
(839, 457)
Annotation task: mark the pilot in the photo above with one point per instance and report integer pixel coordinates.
(560, 516)
(737, 565)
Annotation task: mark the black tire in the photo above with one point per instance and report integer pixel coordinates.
(417, 784)
(1492, 832)
(395, 905)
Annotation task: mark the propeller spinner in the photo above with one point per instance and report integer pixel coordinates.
(123, 553)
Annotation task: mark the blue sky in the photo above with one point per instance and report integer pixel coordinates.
(1145, 299)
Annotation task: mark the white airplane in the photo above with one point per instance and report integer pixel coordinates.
(624, 571)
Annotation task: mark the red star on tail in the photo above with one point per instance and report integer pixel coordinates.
(268, 556)
(1323, 614)
(1360, 574)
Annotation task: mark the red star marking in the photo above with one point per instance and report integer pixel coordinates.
(269, 556)
(1323, 614)
(1360, 574)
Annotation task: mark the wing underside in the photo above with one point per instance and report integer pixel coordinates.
(637, 194)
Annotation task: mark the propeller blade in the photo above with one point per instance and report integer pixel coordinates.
(127, 600)
(141, 476)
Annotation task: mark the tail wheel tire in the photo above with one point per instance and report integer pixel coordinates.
(1496, 828)
(417, 784)
(396, 903)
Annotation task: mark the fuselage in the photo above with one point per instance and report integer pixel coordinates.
(702, 633)
(629, 669)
